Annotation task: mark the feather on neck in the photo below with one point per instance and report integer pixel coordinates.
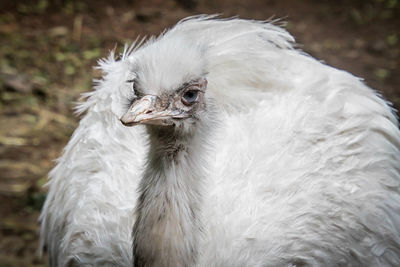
(168, 223)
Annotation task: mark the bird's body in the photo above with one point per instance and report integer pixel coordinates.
(288, 162)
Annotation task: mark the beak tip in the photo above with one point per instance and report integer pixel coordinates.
(127, 120)
(127, 123)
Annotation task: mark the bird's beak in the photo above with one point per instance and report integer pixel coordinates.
(146, 111)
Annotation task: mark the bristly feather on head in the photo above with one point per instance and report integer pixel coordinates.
(198, 46)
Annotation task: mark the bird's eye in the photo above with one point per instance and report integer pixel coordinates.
(134, 85)
(134, 88)
(190, 97)
(138, 93)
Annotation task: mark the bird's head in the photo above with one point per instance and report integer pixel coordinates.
(170, 107)
(169, 86)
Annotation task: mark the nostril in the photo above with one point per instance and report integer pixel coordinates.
(148, 112)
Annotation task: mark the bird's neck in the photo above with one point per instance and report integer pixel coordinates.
(168, 223)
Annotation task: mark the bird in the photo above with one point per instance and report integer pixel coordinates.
(221, 143)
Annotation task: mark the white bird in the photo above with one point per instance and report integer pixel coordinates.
(248, 152)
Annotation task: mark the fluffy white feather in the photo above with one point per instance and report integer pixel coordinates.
(300, 168)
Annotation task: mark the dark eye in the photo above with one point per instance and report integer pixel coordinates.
(190, 97)
(135, 89)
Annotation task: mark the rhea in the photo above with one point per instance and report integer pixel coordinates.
(167, 227)
(220, 144)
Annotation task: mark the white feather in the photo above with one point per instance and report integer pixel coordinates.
(302, 168)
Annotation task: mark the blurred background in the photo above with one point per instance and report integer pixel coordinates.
(48, 49)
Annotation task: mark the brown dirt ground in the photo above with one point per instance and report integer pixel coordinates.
(48, 48)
